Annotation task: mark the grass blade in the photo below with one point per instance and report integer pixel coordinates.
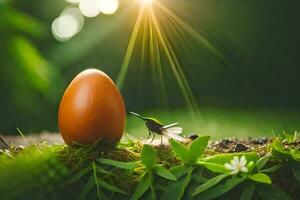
(96, 180)
(23, 136)
(110, 187)
(103, 171)
(121, 165)
(81, 174)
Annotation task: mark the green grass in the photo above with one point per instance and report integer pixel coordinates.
(44, 171)
(221, 122)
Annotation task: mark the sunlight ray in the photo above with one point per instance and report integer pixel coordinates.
(129, 51)
(194, 34)
(175, 66)
(159, 67)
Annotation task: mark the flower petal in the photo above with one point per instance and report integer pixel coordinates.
(243, 161)
(229, 167)
(235, 161)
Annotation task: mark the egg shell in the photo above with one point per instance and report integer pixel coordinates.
(91, 108)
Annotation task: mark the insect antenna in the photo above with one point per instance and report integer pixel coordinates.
(137, 115)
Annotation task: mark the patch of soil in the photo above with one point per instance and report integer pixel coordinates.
(232, 145)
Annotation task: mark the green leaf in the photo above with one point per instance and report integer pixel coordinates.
(17, 20)
(226, 158)
(148, 156)
(180, 150)
(110, 187)
(163, 172)
(175, 190)
(271, 169)
(209, 184)
(198, 147)
(179, 170)
(296, 173)
(80, 174)
(262, 161)
(199, 178)
(142, 187)
(280, 153)
(87, 188)
(152, 189)
(248, 191)
(121, 165)
(271, 192)
(38, 72)
(221, 189)
(296, 154)
(260, 178)
(215, 167)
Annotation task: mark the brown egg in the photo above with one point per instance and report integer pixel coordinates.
(91, 108)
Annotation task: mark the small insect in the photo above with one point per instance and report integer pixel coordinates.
(156, 127)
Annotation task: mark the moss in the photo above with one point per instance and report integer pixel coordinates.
(46, 170)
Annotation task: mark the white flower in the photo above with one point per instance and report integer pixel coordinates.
(237, 165)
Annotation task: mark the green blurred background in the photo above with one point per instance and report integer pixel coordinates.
(255, 93)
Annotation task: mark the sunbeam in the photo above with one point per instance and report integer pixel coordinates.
(130, 48)
(154, 37)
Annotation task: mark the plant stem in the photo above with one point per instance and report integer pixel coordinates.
(96, 179)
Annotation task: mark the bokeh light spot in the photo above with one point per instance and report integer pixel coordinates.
(89, 8)
(68, 24)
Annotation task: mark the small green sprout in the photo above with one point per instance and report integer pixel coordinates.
(189, 156)
(152, 169)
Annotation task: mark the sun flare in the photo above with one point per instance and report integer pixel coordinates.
(146, 3)
(152, 44)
